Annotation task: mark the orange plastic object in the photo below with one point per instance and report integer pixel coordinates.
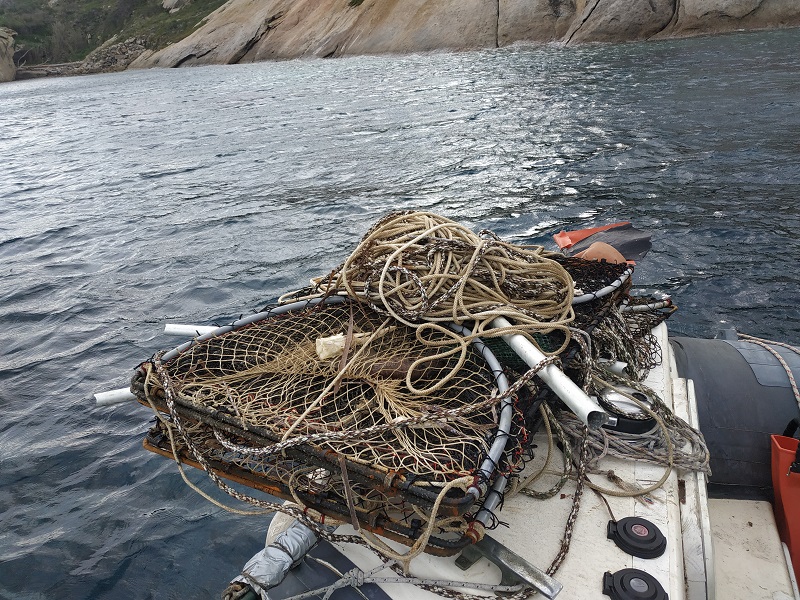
(567, 239)
(787, 495)
(602, 252)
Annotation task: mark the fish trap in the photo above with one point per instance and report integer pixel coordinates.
(342, 410)
(380, 411)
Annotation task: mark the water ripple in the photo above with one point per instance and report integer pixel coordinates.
(131, 199)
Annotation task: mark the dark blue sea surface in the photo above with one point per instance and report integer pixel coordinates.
(195, 195)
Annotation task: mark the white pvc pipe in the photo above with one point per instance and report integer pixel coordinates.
(122, 395)
(615, 366)
(206, 332)
(190, 330)
(278, 310)
(574, 397)
(114, 397)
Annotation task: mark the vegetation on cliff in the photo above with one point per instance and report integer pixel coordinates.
(55, 31)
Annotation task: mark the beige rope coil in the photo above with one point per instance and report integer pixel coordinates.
(419, 266)
(425, 270)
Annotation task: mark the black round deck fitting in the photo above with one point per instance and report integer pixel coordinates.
(632, 584)
(638, 537)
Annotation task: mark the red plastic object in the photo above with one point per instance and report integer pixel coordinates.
(787, 495)
(567, 239)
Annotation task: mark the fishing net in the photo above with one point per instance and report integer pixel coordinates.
(270, 378)
(383, 395)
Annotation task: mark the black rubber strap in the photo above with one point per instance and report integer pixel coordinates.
(790, 430)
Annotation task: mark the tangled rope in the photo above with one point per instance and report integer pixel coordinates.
(425, 270)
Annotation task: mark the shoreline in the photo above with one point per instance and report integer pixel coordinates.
(113, 61)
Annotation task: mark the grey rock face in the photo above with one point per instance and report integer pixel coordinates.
(254, 30)
(620, 20)
(8, 70)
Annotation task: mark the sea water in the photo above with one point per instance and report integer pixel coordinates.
(196, 195)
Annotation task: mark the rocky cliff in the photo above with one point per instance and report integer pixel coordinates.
(254, 30)
(7, 69)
